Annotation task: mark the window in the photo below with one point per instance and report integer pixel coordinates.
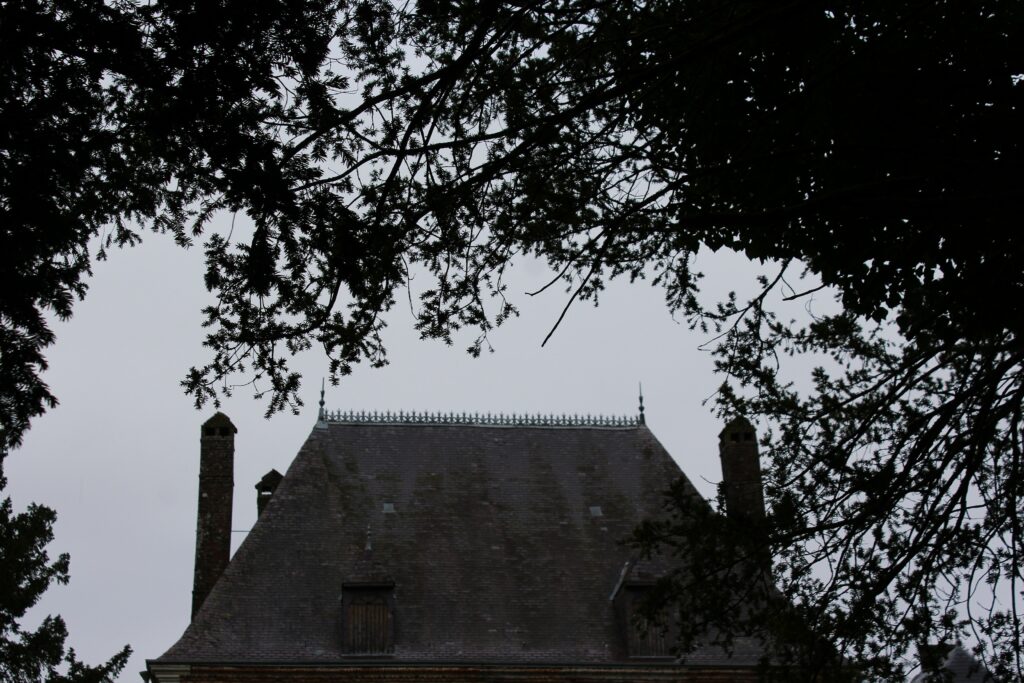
(645, 637)
(367, 621)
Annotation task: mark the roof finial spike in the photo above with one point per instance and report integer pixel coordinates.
(641, 418)
(322, 415)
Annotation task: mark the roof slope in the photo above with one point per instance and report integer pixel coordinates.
(962, 667)
(495, 552)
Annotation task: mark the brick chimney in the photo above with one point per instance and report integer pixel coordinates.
(741, 471)
(265, 489)
(213, 526)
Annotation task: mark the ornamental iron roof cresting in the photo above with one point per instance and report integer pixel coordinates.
(481, 419)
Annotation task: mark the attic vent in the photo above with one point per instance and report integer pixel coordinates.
(368, 620)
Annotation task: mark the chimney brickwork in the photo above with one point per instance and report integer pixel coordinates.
(213, 525)
(741, 471)
(265, 490)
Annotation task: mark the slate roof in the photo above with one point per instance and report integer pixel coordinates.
(962, 667)
(494, 550)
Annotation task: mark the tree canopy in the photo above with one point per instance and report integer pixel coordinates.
(875, 146)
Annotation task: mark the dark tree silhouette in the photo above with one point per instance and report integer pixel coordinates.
(874, 145)
(25, 573)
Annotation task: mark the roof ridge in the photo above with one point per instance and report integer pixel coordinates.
(484, 419)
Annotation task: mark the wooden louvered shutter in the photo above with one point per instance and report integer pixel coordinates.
(647, 639)
(644, 637)
(367, 622)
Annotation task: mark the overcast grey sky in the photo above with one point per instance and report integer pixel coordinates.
(118, 459)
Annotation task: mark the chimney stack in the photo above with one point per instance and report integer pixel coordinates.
(265, 490)
(741, 471)
(213, 527)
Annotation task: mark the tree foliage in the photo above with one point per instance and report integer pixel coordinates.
(894, 494)
(874, 144)
(30, 656)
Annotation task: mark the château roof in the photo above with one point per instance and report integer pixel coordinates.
(502, 539)
(962, 667)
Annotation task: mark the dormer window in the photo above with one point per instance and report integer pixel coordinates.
(367, 622)
(645, 637)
